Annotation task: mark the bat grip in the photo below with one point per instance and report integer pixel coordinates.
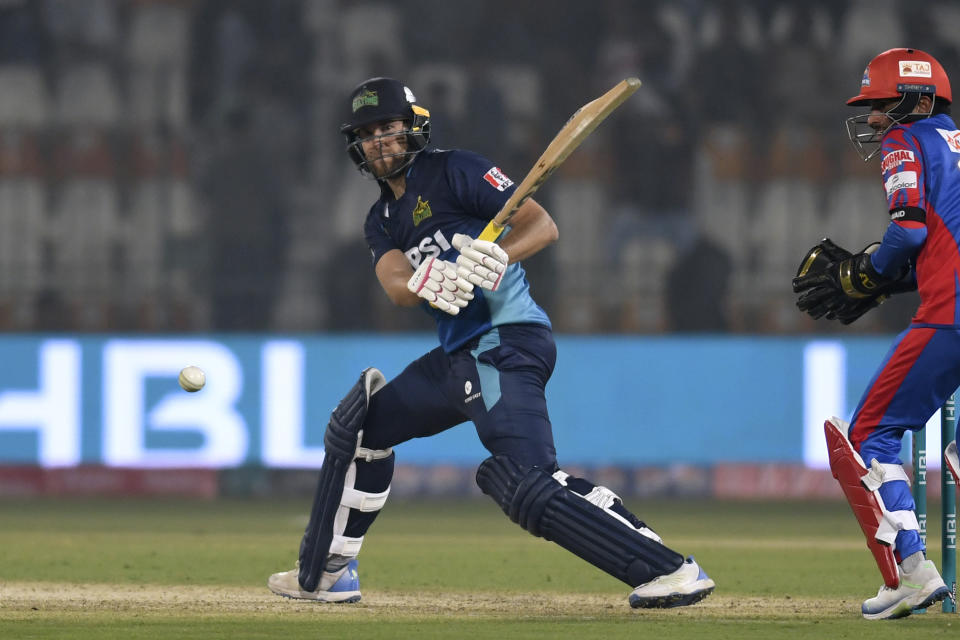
(491, 232)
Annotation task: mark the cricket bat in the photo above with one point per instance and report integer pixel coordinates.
(577, 128)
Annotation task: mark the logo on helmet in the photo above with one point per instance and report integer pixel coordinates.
(915, 69)
(866, 78)
(365, 98)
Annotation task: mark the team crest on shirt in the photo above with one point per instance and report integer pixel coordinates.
(421, 212)
(497, 179)
(952, 138)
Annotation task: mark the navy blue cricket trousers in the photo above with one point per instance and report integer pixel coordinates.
(497, 381)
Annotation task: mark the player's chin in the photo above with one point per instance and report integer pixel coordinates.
(381, 167)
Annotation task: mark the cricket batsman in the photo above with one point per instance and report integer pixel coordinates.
(909, 127)
(495, 357)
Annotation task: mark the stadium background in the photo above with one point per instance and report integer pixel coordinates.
(172, 182)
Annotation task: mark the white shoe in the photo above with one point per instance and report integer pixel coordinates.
(339, 586)
(918, 589)
(686, 585)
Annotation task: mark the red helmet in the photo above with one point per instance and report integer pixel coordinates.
(898, 71)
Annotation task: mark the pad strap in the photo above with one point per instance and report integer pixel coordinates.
(369, 455)
(606, 500)
(893, 523)
(881, 473)
(363, 501)
(345, 546)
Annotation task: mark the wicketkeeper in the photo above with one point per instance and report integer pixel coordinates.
(495, 357)
(909, 126)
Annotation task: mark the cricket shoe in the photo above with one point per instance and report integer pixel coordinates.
(339, 586)
(918, 590)
(952, 460)
(686, 585)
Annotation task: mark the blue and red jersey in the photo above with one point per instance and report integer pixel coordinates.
(450, 192)
(921, 177)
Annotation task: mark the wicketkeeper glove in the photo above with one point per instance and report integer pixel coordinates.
(480, 261)
(836, 284)
(438, 282)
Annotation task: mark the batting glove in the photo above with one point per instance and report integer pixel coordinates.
(481, 262)
(438, 282)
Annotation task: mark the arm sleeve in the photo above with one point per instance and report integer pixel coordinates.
(481, 187)
(378, 240)
(903, 181)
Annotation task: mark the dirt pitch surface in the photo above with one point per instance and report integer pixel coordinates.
(22, 600)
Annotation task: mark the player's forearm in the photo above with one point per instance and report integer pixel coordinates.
(393, 272)
(401, 296)
(531, 229)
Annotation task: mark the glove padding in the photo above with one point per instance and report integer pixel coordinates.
(481, 262)
(438, 282)
(838, 285)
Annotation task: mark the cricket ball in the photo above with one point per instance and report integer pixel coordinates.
(192, 378)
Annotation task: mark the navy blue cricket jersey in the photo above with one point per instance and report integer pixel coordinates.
(449, 192)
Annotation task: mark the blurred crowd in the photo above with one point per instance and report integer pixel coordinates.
(175, 165)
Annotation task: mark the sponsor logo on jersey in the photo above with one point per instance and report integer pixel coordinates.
(365, 98)
(467, 388)
(497, 179)
(908, 214)
(952, 138)
(895, 158)
(915, 69)
(421, 212)
(430, 246)
(901, 180)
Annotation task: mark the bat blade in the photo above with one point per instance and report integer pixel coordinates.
(577, 128)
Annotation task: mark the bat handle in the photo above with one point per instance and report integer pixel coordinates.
(491, 232)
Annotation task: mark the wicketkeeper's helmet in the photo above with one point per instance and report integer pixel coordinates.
(897, 74)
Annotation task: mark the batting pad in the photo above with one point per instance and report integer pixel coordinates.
(867, 505)
(540, 504)
(341, 447)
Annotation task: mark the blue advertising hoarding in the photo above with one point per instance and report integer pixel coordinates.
(635, 401)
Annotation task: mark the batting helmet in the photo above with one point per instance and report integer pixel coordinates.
(380, 100)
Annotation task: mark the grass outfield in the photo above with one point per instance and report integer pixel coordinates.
(191, 569)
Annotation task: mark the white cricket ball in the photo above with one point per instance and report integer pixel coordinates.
(192, 378)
